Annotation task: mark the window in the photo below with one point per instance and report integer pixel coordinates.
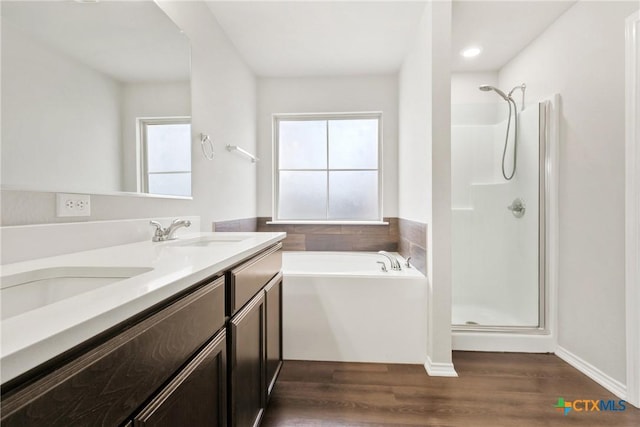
(328, 167)
(166, 155)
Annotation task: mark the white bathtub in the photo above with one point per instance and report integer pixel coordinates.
(340, 306)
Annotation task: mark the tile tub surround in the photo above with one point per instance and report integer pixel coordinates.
(338, 237)
(413, 242)
(236, 225)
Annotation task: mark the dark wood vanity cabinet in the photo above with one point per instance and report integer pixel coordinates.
(273, 333)
(196, 396)
(249, 278)
(207, 357)
(247, 364)
(255, 334)
(107, 383)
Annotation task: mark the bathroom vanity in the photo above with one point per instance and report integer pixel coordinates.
(194, 340)
(255, 334)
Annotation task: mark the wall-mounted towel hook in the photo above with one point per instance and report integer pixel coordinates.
(207, 146)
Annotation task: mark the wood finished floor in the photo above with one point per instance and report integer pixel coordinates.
(493, 389)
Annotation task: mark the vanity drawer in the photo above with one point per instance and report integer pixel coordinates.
(197, 396)
(106, 384)
(248, 278)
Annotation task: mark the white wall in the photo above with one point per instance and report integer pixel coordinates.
(329, 94)
(424, 163)
(414, 149)
(223, 105)
(168, 99)
(466, 99)
(464, 87)
(59, 115)
(581, 57)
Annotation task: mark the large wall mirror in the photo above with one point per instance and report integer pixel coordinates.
(96, 98)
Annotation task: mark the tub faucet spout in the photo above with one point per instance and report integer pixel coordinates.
(393, 261)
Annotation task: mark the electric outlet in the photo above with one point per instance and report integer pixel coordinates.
(73, 204)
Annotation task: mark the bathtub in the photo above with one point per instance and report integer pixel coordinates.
(340, 306)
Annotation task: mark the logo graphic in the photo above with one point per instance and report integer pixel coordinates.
(563, 406)
(588, 405)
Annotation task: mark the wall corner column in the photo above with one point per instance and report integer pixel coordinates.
(439, 322)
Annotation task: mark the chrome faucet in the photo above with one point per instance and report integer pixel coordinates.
(393, 261)
(161, 234)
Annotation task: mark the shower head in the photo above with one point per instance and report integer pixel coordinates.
(487, 88)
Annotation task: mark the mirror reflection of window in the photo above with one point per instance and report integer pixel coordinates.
(73, 88)
(166, 156)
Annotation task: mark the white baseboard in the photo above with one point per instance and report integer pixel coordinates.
(614, 386)
(439, 369)
(509, 342)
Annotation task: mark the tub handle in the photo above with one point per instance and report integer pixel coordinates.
(408, 264)
(383, 267)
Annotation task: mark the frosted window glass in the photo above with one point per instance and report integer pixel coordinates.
(302, 144)
(353, 144)
(168, 147)
(353, 195)
(303, 195)
(171, 184)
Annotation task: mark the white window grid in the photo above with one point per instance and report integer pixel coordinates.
(328, 117)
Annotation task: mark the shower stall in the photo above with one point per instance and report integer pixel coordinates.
(498, 158)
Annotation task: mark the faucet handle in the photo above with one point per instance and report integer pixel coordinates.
(408, 264)
(158, 234)
(383, 266)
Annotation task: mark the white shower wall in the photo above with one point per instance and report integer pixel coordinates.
(495, 255)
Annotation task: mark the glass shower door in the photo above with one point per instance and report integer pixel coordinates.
(497, 223)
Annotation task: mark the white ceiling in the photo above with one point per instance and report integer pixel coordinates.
(500, 28)
(320, 38)
(280, 38)
(129, 41)
(317, 38)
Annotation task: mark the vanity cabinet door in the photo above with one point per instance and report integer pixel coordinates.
(106, 384)
(196, 396)
(273, 302)
(246, 362)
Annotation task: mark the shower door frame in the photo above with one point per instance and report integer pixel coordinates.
(547, 222)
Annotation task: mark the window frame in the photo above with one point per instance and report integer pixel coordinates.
(277, 118)
(143, 161)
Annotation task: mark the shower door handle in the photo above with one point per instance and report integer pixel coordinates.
(517, 208)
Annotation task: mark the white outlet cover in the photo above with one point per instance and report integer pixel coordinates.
(68, 204)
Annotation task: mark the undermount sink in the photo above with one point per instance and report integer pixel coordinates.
(210, 241)
(34, 289)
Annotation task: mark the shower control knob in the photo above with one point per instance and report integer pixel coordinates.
(517, 208)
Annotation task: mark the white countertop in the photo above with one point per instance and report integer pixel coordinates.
(36, 336)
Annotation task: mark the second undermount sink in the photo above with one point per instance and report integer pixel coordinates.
(34, 289)
(211, 240)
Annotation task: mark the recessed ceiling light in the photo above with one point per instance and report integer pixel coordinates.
(470, 52)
